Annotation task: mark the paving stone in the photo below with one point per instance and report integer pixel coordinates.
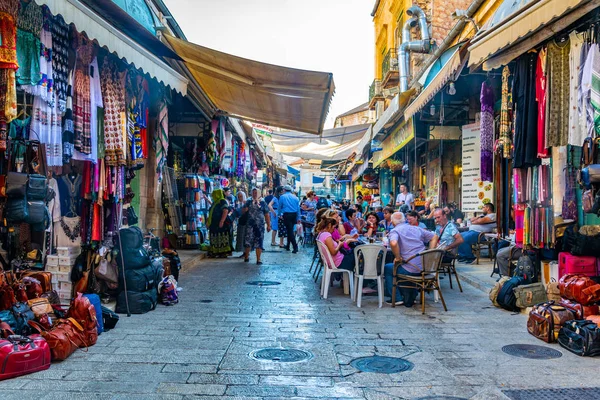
(262, 391)
(224, 379)
(192, 388)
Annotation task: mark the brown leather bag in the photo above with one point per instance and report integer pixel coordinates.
(64, 338)
(546, 319)
(83, 311)
(578, 310)
(573, 287)
(7, 297)
(40, 307)
(33, 287)
(20, 292)
(45, 278)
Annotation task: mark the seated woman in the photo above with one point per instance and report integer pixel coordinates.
(386, 223)
(342, 261)
(413, 219)
(371, 225)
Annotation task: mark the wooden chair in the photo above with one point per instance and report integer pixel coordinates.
(483, 241)
(428, 280)
(450, 267)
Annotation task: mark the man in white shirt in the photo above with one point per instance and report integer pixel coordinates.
(482, 224)
(404, 197)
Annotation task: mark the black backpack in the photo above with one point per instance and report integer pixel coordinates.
(525, 269)
(322, 203)
(506, 296)
(581, 337)
(109, 318)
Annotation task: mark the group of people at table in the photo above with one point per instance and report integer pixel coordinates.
(405, 237)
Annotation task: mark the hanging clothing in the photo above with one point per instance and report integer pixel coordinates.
(46, 127)
(60, 60)
(487, 132)
(8, 94)
(81, 95)
(9, 10)
(67, 232)
(95, 103)
(19, 128)
(161, 139)
(540, 96)
(525, 106)
(590, 86)
(581, 96)
(557, 75)
(576, 135)
(69, 187)
(113, 92)
(505, 137)
(29, 27)
(44, 87)
(68, 129)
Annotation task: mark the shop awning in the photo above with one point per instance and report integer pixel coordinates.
(446, 68)
(540, 36)
(283, 97)
(516, 26)
(97, 28)
(396, 105)
(293, 171)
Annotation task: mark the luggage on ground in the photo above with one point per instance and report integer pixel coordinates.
(546, 319)
(95, 300)
(66, 336)
(142, 279)
(139, 302)
(569, 264)
(82, 311)
(167, 290)
(134, 254)
(506, 296)
(109, 318)
(496, 289)
(581, 337)
(525, 269)
(530, 295)
(21, 355)
(552, 291)
(580, 312)
(580, 289)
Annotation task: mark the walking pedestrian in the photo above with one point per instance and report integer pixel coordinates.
(219, 226)
(258, 215)
(289, 208)
(273, 205)
(242, 221)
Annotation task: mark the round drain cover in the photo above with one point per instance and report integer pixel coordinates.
(531, 351)
(263, 283)
(281, 355)
(382, 365)
(205, 301)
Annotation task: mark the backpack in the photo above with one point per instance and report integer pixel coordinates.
(506, 296)
(524, 269)
(496, 289)
(322, 203)
(167, 289)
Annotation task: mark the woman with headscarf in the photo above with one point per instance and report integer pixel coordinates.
(242, 222)
(258, 214)
(219, 226)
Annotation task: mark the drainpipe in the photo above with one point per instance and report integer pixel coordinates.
(417, 16)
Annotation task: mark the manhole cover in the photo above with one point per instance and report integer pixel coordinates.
(281, 355)
(531, 351)
(263, 283)
(554, 394)
(205, 301)
(382, 365)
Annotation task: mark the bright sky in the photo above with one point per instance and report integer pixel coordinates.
(322, 35)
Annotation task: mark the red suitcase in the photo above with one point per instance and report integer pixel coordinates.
(580, 311)
(578, 265)
(21, 355)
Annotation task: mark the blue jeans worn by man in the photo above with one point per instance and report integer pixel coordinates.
(465, 252)
(406, 294)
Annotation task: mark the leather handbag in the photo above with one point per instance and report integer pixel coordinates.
(37, 187)
(529, 295)
(16, 184)
(16, 210)
(37, 212)
(579, 288)
(7, 297)
(546, 319)
(33, 287)
(64, 338)
(82, 310)
(580, 337)
(553, 291)
(20, 355)
(44, 277)
(20, 291)
(578, 310)
(52, 296)
(40, 307)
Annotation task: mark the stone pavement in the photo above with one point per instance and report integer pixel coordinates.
(199, 348)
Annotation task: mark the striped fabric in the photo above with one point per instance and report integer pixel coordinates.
(161, 140)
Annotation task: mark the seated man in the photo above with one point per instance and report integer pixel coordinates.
(449, 237)
(503, 258)
(485, 223)
(454, 214)
(406, 241)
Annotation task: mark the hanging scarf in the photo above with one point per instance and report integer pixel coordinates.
(505, 135)
(161, 139)
(217, 196)
(487, 132)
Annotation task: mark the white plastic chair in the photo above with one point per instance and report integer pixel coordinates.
(329, 268)
(370, 254)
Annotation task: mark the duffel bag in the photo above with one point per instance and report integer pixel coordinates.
(496, 289)
(64, 337)
(546, 319)
(95, 300)
(139, 302)
(109, 319)
(581, 337)
(134, 254)
(82, 310)
(21, 355)
(580, 312)
(580, 289)
(8, 317)
(143, 279)
(44, 277)
(530, 295)
(506, 295)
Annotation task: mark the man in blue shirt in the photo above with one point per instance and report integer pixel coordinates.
(289, 207)
(449, 236)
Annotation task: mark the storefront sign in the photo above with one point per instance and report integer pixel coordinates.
(475, 192)
(262, 130)
(394, 142)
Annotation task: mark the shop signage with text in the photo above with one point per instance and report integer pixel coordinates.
(475, 192)
(394, 142)
(262, 130)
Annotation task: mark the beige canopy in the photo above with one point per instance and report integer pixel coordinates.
(283, 97)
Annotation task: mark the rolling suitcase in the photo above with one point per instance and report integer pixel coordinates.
(21, 355)
(578, 265)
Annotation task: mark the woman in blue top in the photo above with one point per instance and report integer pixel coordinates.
(310, 207)
(273, 206)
